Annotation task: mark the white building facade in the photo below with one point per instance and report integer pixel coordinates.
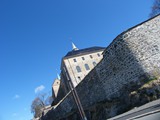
(78, 63)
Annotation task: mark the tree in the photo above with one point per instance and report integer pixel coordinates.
(39, 103)
(49, 100)
(155, 8)
(37, 106)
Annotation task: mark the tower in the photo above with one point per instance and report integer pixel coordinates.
(74, 48)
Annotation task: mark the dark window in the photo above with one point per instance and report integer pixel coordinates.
(79, 78)
(87, 67)
(74, 60)
(78, 69)
(98, 54)
(94, 63)
(83, 58)
(91, 56)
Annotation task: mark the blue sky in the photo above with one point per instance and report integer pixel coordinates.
(36, 34)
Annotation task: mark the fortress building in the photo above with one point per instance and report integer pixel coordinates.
(78, 63)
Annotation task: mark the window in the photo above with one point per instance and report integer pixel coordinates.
(78, 69)
(87, 67)
(74, 60)
(98, 54)
(91, 56)
(83, 58)
(94, 63)
(79, 78)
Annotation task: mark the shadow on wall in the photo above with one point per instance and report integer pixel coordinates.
(133, 56)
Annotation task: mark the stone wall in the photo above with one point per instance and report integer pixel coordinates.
(133, 56)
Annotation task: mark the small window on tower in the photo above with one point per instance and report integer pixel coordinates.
(79, 78)
(74, 60)
(91, 56)
(83, 58)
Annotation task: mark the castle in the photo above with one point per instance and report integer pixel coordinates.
(77, 63)
(131, 60)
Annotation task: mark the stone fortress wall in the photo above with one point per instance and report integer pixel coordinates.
(132, 56)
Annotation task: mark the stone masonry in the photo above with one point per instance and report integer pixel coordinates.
(132, 56)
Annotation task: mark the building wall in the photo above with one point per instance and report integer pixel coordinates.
(132, 55)
(70, 65)
(62, 91)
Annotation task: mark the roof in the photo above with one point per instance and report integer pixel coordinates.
(83, 51)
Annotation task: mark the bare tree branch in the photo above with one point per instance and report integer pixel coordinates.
(39, 103)
(155, 8)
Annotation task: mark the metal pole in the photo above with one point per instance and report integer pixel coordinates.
(75, 96)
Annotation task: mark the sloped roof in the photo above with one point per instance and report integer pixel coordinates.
(83, 51)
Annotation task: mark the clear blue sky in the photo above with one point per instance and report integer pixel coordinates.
(36, 34)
